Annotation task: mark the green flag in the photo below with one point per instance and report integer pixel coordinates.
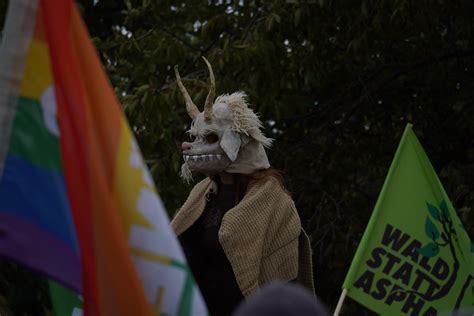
(415, 257)
(66, 302)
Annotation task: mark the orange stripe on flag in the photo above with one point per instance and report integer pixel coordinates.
(106, 113)
(118, 283)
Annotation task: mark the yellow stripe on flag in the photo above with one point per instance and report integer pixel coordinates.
(151, 256)
(37, 76)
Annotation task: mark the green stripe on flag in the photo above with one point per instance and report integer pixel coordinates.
(186, 307)
(65, 301)
(182, 266)
(30, 138)
(187, 296)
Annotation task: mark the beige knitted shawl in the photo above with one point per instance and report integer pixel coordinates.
(261, 236)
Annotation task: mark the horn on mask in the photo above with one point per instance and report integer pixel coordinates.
(192, 109)
(212, 92)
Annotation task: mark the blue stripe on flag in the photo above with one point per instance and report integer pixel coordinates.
(37, 195)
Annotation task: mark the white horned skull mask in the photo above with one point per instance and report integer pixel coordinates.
(227, 134)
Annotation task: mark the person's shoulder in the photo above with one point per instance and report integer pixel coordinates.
(272, 190)
(269, 183)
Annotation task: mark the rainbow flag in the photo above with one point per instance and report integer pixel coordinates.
(77, 203)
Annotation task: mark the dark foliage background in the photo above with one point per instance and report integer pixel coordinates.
(334, 81)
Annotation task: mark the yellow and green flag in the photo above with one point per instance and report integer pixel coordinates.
(415, 257)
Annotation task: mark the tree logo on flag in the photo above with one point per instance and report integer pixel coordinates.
(442, 234)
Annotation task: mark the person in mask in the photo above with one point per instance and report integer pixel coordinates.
(239, 227)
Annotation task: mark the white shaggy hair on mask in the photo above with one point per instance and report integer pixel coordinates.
(245, 121)
(186, 174)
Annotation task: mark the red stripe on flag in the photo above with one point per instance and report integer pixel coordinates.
(72, 120)
(89, 119)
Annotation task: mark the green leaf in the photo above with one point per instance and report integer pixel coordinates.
(241, 45)
(444, 210)
(143, 88)
(430, 229)
(298, 13)
(269, 22)
(276, 17)
(430, 250)
(434, 212)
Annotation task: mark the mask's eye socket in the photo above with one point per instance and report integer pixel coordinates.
(192, 137)
(212, 138)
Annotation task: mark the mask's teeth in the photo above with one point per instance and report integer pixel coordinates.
(194, 158)
(185, 157)
(219, 156)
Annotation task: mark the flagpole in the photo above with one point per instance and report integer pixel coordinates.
(341, 301)
(18, 29)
